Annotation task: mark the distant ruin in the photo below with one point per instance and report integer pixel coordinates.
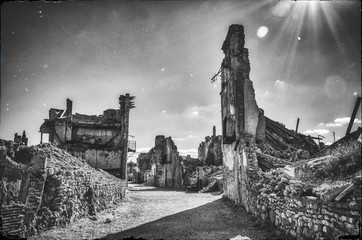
(21, 139)
(267, 167)
(209, 151)
(161, 166)
(101, 140)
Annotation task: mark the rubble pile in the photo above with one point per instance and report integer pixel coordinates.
(320, 196)
(212, 178)
(282, 142)
(190, 165)
(51, 188)
(273, 182)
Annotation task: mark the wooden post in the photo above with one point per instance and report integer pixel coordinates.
(358, 101)
(296, 128)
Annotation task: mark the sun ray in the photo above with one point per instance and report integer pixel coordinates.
(333, 20)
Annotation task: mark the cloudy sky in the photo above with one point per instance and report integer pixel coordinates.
(305, 62)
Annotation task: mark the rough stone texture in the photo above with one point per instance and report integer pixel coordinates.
(240, 113)
(51, 188)
(276, 196)
(100, 140)
(209, 151)
(305, 217)
(161, 166)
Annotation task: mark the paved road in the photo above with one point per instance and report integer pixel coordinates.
(154, 213)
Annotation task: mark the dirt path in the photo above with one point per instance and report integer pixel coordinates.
(155, 213)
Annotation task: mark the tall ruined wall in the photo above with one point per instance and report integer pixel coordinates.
(166, 168)
(273, 197)
(240, 112)
(51, 188)
(144, 161)
(209, 151)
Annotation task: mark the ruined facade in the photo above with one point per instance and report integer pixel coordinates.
(209, 151)
(240, 114)
(261, 159)
(21, 139)
(44, 186)
(101, 140)
(161, 166)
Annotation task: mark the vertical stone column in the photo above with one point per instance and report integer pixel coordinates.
(126, 103)
(238, 88)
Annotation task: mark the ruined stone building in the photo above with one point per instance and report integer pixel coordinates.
(209, 151)
(261, 159)
(44, 186)
(101, 140)
(21, 139)
(161, 166)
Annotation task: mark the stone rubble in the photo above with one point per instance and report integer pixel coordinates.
(44, 186)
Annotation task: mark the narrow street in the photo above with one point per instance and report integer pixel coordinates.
(154, 213)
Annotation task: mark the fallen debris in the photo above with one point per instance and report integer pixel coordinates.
(44, 186)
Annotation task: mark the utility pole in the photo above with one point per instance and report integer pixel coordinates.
(126, 103)
(334, 137)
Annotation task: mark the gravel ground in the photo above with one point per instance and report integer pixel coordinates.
(154, 213)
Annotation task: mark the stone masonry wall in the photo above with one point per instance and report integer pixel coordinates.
(56, 189)
(305, 217)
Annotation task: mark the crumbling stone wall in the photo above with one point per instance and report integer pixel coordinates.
(240, 112)
(99, 139)
(165, 169)
(272, 196)
(209, 151)
(305, 217)
(55, 189)
(106, 159)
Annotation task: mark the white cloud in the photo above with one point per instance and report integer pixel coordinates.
(344, 120)
(192, 152)
(333, 125)
(185, 138)
(316, 131)
(321, 131)
(339, 122)
(164, 111)
(280, 84)
(143, 149)
(308, 132)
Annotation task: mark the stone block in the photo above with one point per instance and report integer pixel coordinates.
(350, 226)
(316, 228)
(352, 220)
